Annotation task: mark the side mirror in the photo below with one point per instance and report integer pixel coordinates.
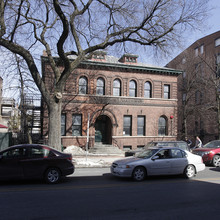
(1, 156)
(155, 157)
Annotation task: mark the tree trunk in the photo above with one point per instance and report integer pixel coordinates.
(54, 133)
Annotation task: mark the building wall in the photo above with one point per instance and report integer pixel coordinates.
(114, 108)
(199, 63)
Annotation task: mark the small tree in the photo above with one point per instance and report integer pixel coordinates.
(82, 27)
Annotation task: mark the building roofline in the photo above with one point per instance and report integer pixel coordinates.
(137, 66)
(194, 44)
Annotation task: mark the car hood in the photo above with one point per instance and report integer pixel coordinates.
(127, 160)
(203, 149)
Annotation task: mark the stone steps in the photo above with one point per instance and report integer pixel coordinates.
(106, 149)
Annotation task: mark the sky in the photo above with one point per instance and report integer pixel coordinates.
(212, 25)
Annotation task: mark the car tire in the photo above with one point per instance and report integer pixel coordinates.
(139, 174)
(52, 175)
(216, 161)
(190, 171)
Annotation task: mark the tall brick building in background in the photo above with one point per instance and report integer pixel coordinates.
(126, 103)
(198, 88)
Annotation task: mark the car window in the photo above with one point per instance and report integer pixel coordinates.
(182, 146)
(15, 153)
(147, 153)
(164, 154)
(176, 153)
(39, 152)
(164, 144)
(212, 144)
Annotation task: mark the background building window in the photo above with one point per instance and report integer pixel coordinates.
(100, 87)
(218, 65)
(196, 51)
(132, 88)
(63, 124)
(83, 85)
(167, 91)
(127, 125)
(141, 125)
(184, 97)
(217, 42)
(162, 126)
(198, 97)
(184, 74)
(202, 49)
(117, 87)
(77, 125)
(147, 90)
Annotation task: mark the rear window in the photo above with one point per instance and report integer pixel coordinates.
(181, 145)
(38, 152)
(212, 144)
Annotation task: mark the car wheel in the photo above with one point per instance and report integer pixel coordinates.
(190, 171)
(52, 175)
(139, 173)
(216, 161)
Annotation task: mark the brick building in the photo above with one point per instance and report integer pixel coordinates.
(198, 88)
(126, 103)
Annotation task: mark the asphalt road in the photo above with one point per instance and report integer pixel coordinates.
(93, 193)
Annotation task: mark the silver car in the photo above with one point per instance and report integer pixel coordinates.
(158, 161)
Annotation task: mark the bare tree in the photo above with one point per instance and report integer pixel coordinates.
(211, 88)
(82, 27)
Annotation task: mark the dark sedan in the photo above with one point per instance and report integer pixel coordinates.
(30, 161)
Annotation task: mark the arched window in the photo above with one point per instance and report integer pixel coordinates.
(147, 90)
(132, 88)
(100, 87)
(83, 85)
(117, 87)
(162, 126)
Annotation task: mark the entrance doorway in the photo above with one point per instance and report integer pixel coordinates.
(103, 130)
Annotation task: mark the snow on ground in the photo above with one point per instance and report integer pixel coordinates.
(75, 151)
(81, 158)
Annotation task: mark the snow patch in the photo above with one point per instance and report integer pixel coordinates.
(74, 150)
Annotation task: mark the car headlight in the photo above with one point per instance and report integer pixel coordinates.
(209, 152)
(124, 166)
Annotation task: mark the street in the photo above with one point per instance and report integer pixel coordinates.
(93, 193)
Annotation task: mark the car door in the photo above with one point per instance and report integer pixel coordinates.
(178, 161)
(10, 163)
(34, 166)
(161, 165)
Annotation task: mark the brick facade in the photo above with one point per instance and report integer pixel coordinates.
(107, 111)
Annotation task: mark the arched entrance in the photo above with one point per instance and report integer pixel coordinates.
(103, 130)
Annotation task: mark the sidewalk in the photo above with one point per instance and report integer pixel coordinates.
(95, 160)
(82, 158)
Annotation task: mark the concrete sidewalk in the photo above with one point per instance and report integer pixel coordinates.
(93, 160)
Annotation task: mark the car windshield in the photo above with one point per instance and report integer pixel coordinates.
(212, 144)
(147, 153)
